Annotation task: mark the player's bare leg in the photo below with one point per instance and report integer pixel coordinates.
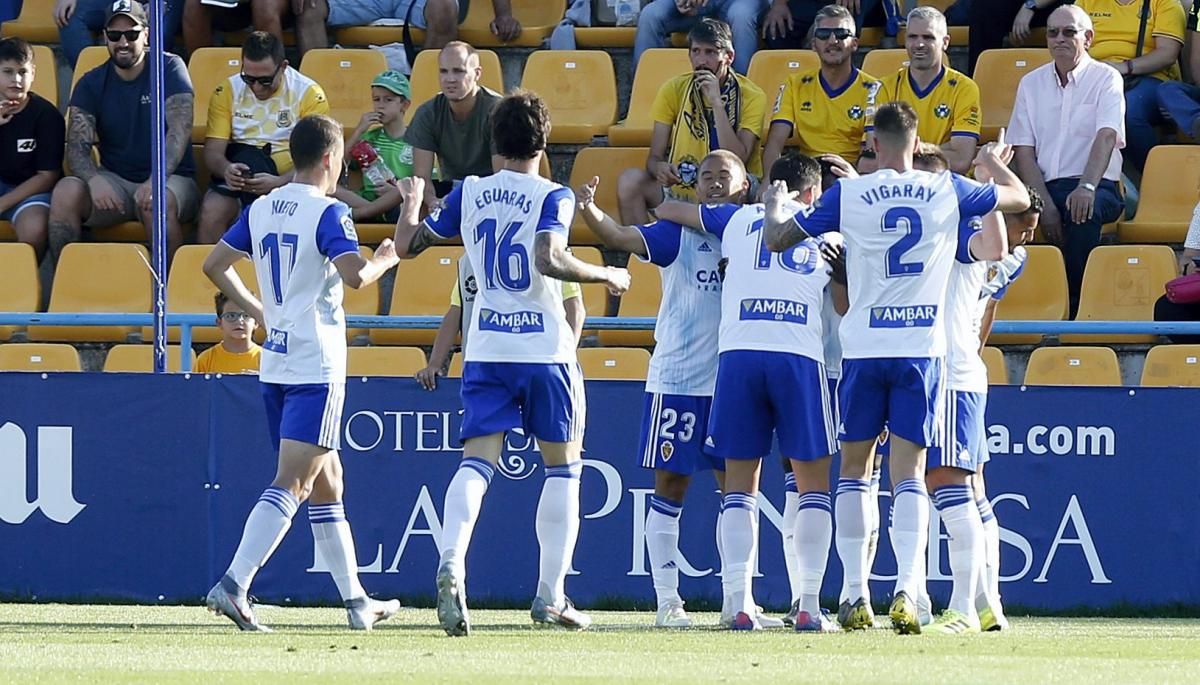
(909, 532)
(811, 537)
(557, 531)
(662, 545)
(739, 538)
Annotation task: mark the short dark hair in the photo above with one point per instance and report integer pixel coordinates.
(520, 125)
(930, 158)
(799, 172)
(261, 45)
(1036, 204)
(312, 138)
(220, 300)
(16, 50)
(895, 122)
(712, 31)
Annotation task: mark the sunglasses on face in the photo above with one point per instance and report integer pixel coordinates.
(1067, 32)
(236, 316)
(839, 33)
(260, 80)
(116, 36)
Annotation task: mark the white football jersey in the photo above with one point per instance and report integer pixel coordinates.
(293, 234)
(902, 232)
(771, 301)
(689, 315)
(972, 286)
(518, 314)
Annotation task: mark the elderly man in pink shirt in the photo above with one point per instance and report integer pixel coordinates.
(1067, 130)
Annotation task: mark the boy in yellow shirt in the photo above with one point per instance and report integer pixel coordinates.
(237, 351)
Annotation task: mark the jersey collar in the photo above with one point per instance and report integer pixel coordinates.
(831, 93)
(932, 84)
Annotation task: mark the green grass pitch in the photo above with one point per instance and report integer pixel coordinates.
(129, 644)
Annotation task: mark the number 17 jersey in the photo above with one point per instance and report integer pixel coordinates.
(518, 314)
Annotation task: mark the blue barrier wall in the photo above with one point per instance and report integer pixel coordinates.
(136, 487)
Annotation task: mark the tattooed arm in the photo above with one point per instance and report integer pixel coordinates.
(178, 113)
(552, 259)
(81, 136)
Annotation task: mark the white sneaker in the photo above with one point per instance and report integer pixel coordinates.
(364, 613)
(760, 619)
(924, 609)
(672, 615)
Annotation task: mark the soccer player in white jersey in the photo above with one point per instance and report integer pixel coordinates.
(683, 368)
(902, 231)
(520, 366)
(304, 248)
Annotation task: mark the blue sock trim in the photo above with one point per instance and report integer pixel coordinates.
(326, 513)
(985, 509)
(281, 499)
(572, 470)
(852, 485)
(915, 486)
(479, 465)
(739, 500)
(789, 483)
(666, 507)
(949, 496)
(816, 500)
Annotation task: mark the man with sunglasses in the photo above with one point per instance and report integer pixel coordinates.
(250, 117)
(825, 108)
(110, 110)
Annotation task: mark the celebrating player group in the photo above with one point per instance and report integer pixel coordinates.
(912, 256)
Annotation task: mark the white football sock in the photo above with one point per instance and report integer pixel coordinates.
(662, 543)
(910, 534)
(961, 518)
(266, 525)
(813, 532)
(791, 505)
(737, 536)
(557, 530)
(331, 535)
(852, 514)
(991, 551)
(464, 498)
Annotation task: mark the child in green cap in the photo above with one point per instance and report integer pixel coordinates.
(382, 129)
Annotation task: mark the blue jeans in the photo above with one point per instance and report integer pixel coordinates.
(1141, 116)
(1079, 239)
(88, 20)
(1182, 102)
(660, 19)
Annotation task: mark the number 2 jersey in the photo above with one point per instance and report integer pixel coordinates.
(903, 231)
(293, 234)
(518, 314)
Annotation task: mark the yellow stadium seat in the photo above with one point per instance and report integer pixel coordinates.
(39, 357)
(883, 62)
(770, 69)
(580, 89)
(426, 84)
(98, 277)
(456, 366)
(614, 363)
(36, 23)
(1039, 294)
(1073, 366)
(384, 361)
(642, 299)
(605, 36)
(366, 36)
(997, 368)
(45, 80)
(91, 57)
(595, 295)
(208, 68)
(1121, 283)
(140, 359)
(607, 163)
(362, 301)
(657, 66)
(1170, 189)
(1172, 366)
(20, 290)
(538, 19)
(346, 76)
(422, 288)
(997, 73)
(190, 292)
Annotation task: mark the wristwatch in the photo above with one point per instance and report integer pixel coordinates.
(1030, 5)
(1090, 187)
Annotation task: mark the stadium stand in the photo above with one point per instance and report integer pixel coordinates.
(45, 82)
(1073, 366)
(770, 69)
(997, 368)
(362, 301)
(1172, 366)
(607, 163)
(208, 68)
(135, 358)
(655, 68)
(580, 89)
(345, 75)
(1040, 294)
(538, 19)
(594, 294)
(39, 357)
(642, 299)
(454, 370)
(91, 57)
(190, 292)
(97, 277)
(883, 62)
(422, 288)
(425, 83)
(20, 290)
(997, 73)
(36, 23)
(1170, 189)
(1121, 283)
(614, 363)
(384, 361)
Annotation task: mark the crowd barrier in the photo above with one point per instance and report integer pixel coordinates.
(135, 487)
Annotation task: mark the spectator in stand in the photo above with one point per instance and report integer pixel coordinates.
(250, 121)
(201, 17)
(1067, 129)
(80, 20)
(381, 133)
(880, 13)
(439, 19)
(31, 146)
(827, 107)
(1117, 24)
(455, 126)
(110, 110)
(786, 24)
(237, 351)
(661, 18)
(1181, 100)
(987, 19)
(946, 101)
(1189, 263)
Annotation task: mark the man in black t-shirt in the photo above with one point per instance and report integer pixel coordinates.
(31, 146)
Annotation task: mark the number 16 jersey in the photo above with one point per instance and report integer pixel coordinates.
(518, 314)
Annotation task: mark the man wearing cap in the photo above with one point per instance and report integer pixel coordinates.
(201, 17)
(80, 20)
(110, 110)
(379, 141)
(250, 118)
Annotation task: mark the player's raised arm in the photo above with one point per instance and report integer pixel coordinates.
(414, 236)
(552, 259)
(1011, 194)
(358, 272)
(990, 242)
(780, 230)
(219, 269)
(612, 234)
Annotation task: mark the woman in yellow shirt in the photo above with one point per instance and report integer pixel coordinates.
(237, 351)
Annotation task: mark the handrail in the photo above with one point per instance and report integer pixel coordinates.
(188, 321)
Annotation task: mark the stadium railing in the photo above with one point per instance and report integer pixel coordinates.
(186, 322)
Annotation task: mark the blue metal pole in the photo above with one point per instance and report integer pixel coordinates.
(158, 183)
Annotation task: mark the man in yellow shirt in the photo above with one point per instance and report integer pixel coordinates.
(710, 108)
(1117, 24)
(824, 108)
(250, 119)
(237, 351)
(946, 101)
